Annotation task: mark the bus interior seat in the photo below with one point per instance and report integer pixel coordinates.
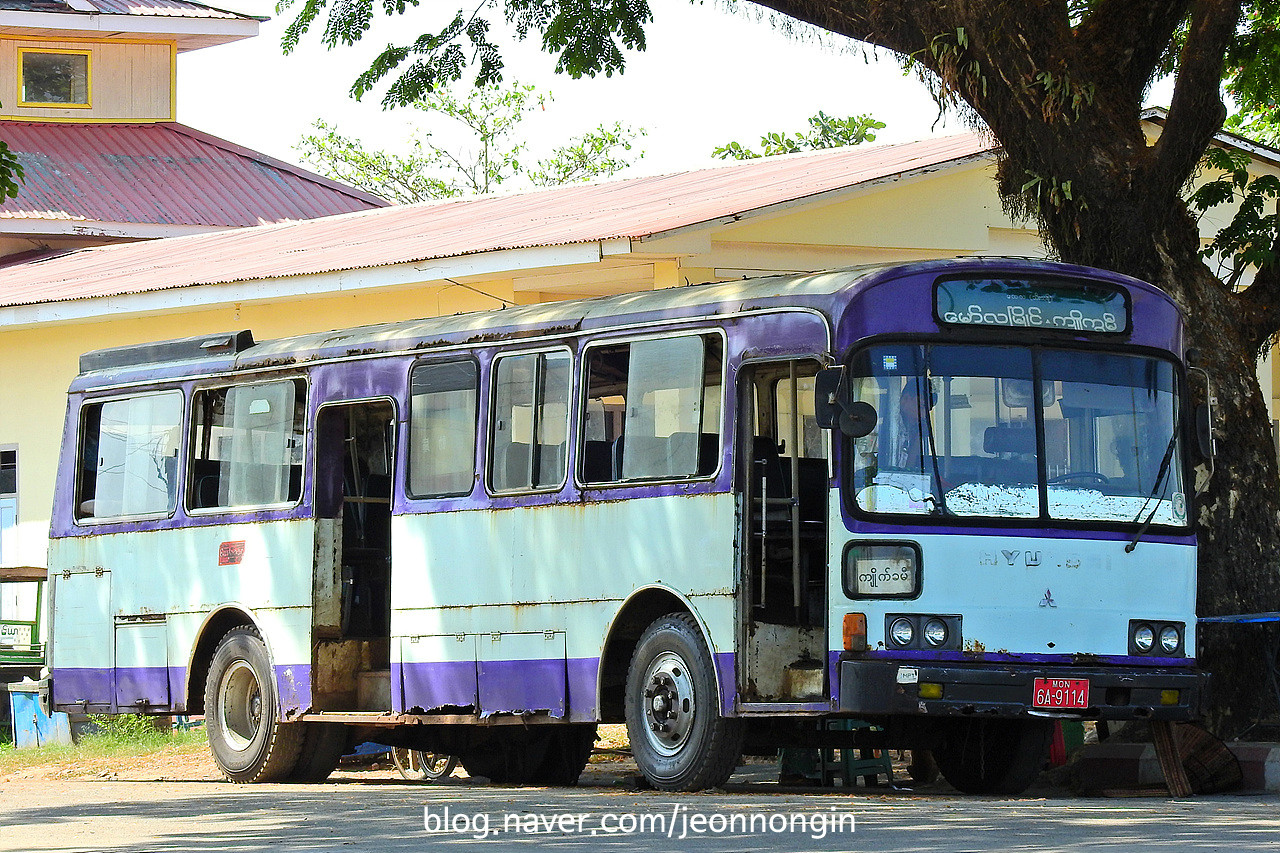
(597, 462)
(1009, 439)
(550, 464)
(515, 467)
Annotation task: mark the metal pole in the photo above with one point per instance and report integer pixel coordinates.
(796, 586)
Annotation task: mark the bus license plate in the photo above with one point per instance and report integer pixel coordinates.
(1061, 693)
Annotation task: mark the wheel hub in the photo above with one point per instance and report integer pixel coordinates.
(240, 705)
(669, 703)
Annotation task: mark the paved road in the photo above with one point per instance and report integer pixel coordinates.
(389, 816)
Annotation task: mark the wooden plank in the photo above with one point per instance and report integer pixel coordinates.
(1166, 741)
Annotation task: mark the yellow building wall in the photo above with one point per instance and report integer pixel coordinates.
(33, 401)
(951, 210)
(128, 81)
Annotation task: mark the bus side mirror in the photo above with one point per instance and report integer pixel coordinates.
(858, 419)
(826, 397)
(1204, 431)
(853, 419)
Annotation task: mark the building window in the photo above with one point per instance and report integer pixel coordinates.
(60, 78)
(8, 514)
(8, 472)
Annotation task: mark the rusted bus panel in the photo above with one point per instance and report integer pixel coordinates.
(596, 551)
(175, 579)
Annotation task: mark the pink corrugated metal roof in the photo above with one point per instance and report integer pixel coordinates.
(163, 174)
(635, 208)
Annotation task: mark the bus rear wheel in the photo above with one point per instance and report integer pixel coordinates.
(994, 757)
(323, 745)
(246, 737)
(678, 737)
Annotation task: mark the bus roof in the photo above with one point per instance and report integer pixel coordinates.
(822, 291)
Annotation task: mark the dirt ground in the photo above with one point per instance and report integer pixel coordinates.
(191, 762)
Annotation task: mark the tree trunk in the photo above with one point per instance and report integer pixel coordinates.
(1061, 86)
(1237, 510)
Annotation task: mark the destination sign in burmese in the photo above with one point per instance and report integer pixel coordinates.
(1069, 306)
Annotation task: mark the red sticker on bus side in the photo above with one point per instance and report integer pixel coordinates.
(230, 553)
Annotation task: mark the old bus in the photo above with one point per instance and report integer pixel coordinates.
(948, 499)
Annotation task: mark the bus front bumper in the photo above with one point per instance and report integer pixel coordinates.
(944, 689)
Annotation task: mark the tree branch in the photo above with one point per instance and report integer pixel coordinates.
(1127, 38)
(1259, 303)
(888, 23)
(1196, 110)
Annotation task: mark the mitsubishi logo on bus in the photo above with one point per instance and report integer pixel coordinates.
(1048, 601)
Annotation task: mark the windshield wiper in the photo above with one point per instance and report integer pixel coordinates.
(939, 502)
(1155, 489)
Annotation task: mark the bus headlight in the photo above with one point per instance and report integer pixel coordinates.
(902, 632)
(1144, 637)
(1157, 637)
(935, 633)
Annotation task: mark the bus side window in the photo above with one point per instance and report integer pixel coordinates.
(653, 410)
(128, 460)
(529, 421)
(442, 428)
(247, 445)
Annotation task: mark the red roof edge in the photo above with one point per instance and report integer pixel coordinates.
(282, 165)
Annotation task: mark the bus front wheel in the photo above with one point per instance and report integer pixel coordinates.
(246, 737)
(994, 757)
(678, 737)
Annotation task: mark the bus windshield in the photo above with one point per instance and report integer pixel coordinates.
(1008, 432)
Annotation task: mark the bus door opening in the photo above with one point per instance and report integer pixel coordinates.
(783, 484)
(352, 590)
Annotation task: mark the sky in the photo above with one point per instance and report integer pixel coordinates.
(710, 75)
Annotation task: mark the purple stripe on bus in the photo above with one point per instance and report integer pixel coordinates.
(142, 687)
(523, 685)
(74, 686)
(727, 673)
(907, 528)
(293, 686)
(439, 684)
(583, 676)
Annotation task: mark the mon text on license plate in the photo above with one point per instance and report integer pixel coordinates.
(1061, 693)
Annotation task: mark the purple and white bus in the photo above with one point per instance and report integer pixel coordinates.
(947, 499)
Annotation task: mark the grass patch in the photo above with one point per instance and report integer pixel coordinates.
(110, 745)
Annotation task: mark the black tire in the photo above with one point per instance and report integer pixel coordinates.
(515, 759)
(246, 737)
(568, 750)
(678, 737)
(923, 768)
(323, 745)
(994, 757)
(419, 766)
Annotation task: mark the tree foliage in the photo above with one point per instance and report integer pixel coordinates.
(1060, 84)
(587, 37)
(1249, 240)
(824, 132)
(491, 117)
(10, 172)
